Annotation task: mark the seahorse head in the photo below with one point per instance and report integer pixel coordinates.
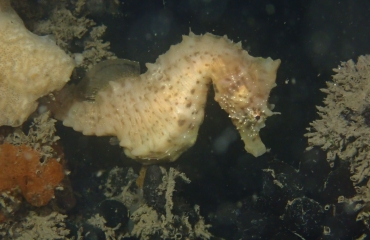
(242, 86)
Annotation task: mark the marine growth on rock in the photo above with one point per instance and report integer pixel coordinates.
(31, 66)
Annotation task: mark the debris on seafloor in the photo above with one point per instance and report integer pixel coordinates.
(36, 226)
(99, 222)
(146, 220)
(40, 137)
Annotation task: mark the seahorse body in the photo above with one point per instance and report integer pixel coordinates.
(156, 115)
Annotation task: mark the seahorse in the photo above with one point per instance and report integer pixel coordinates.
(156, 115)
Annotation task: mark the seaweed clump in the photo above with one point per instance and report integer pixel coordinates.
(343, 130)
(76, 34)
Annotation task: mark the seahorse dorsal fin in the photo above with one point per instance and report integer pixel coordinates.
(99, 76)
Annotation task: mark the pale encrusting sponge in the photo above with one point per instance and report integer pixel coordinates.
(156, 115)
(31, 66)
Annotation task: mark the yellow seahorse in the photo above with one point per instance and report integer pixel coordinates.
(156, 115)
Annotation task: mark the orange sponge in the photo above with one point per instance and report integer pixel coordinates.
(20, 167)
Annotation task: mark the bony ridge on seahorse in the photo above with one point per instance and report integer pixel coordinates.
(156, 115)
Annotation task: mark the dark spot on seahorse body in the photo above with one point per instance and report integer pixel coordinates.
(234, 87)
(181, 122)
(188, 104)
(192, 91)
(187, 59)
